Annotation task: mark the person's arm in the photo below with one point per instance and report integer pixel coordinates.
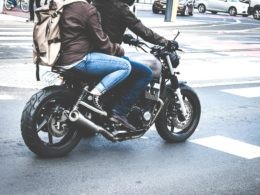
(137, 27)
(99, 37)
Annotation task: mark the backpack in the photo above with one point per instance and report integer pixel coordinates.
(46, 33)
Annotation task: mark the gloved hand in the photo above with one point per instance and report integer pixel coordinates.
(173, 45)
(127, 38)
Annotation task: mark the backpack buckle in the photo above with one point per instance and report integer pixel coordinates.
(54, 14)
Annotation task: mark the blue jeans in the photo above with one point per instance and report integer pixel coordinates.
(113, 69)
(141, 75)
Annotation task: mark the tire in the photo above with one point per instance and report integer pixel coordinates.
(8, 5)
(184, 12)
(25, 5)
(201, 8)
(256, 13)
(169, 121)
(232, 11)
(155, 11)
(43, 104)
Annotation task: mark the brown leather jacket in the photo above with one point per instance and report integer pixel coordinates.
(81, 33)
(116, 17)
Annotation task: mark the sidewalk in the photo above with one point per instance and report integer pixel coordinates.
(15, 14)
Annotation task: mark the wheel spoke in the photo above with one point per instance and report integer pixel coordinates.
(172, 128)
(44, 122)
(50, 138)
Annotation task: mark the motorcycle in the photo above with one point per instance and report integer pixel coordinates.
(54, 118)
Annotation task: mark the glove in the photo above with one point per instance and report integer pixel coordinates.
(127, 38)
(173, 45)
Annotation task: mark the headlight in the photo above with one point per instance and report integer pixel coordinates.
(175, 59)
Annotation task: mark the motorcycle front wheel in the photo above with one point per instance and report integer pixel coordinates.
(44, 124)
(170, 124)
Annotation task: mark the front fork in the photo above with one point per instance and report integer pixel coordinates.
(176, 87)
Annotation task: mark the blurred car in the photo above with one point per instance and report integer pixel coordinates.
(233, 7)
(185, 7)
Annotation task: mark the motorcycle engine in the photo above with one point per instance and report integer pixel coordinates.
(139, 117)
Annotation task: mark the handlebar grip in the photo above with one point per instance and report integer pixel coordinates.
(127, 38)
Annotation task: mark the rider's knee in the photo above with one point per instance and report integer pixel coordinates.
(127, 67)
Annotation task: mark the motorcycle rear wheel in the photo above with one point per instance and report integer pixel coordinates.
(42, 127)
(169, 124)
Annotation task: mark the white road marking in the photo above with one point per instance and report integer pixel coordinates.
(6, 97)
(17, 44)
(29, 28)
(15, 38)
(230, 146)
(225, 83)
(15, 33)
(244, 92)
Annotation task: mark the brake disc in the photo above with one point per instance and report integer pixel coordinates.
(57, 123)
(182, 124)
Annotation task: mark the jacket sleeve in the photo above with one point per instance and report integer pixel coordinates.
(102, 41)
(136, 26)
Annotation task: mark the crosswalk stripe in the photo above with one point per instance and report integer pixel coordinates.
(15, 33)
(249, 92)
(230, 146)
(29, 44)
(15, 38)
(16, 29)
(6, 97)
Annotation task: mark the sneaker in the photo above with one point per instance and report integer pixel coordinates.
(123, 120)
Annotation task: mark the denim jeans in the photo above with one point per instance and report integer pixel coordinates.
(113, 69)
(31, 7)
(134, 85)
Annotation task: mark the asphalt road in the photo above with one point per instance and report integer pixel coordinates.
(144, 166)
(221, 62)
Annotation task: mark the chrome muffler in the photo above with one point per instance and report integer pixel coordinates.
(76, 117)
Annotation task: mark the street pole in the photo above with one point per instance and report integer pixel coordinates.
(1, 6)
(171, 10)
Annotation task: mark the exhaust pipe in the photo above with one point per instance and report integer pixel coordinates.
(76, 117)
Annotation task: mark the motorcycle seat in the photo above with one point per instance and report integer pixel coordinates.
(74, 74)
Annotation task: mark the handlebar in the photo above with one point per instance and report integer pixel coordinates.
(129, 39)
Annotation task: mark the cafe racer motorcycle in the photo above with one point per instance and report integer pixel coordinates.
(54, 118)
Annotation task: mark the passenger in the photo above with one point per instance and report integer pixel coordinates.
(85, 47)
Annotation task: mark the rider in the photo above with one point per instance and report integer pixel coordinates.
(115, 18)
(85, 47)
